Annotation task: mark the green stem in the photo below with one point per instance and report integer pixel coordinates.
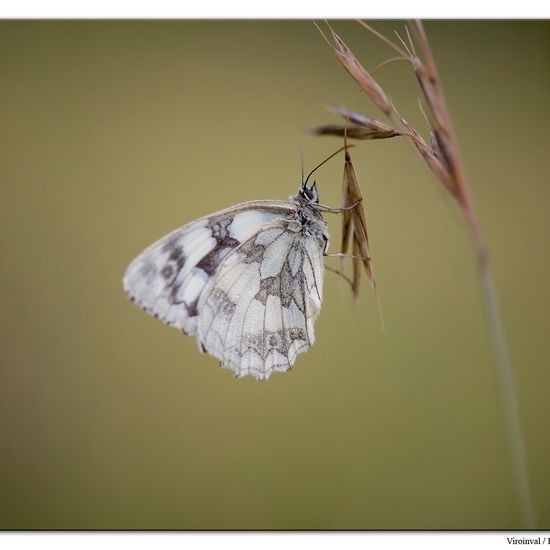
(508, 395)
(503, 364)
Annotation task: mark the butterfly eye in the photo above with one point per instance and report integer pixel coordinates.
(310, 194)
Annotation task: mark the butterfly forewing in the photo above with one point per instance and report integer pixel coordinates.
(167, 279)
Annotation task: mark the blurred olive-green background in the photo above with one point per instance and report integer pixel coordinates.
(114, 133)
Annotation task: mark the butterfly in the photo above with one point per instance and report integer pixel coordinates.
(246, 281)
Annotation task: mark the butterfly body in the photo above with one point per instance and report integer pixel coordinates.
(246, 281)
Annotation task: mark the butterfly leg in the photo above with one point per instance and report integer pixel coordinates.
(343, 255)
(337, 272)
(330, 210)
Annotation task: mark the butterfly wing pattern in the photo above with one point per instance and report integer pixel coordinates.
(246, 281)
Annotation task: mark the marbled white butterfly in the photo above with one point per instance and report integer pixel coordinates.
(247, 281)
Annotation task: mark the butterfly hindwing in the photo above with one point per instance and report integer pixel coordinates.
(168, 278)
(258, 313)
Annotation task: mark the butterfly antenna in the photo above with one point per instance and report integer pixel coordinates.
(302, 162)
(321, 164)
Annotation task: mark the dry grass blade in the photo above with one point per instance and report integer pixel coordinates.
(367, 83)
(356, 279)
(426, 82)
(354, 131)
(432, 158)
(346, 218)
(355, 223)
(439, 148)
(362, 120)
(358, 126)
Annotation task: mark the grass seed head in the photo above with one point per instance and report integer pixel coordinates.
(367, 83)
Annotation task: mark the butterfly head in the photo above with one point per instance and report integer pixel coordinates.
(309, 194)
